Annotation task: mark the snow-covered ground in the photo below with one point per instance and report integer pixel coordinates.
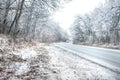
(71, 67)
(26, 61)
(44, 62)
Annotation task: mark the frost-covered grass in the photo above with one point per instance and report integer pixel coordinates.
(38, 61)
(23, 61)
(109, 46)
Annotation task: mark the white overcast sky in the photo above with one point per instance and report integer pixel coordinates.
(65, 16)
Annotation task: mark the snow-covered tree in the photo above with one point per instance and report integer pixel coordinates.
(102, 25)
(25, 18)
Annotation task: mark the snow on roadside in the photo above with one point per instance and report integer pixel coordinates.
(67, 66)
(26, 53)
(23, 61)
(43, 62)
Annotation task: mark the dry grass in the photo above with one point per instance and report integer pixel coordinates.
(12, 60)
(109, 46)
(3, 36)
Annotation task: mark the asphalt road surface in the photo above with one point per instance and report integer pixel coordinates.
(108, 58)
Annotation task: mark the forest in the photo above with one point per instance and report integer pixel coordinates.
(30, 19)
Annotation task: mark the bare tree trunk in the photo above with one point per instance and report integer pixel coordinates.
(27, 28)
(4, 27)
(16, 19)
(34, 29)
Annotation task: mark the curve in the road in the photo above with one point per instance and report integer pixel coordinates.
(108, 56)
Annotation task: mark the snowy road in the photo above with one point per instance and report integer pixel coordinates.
(105, 57)
(67, 66)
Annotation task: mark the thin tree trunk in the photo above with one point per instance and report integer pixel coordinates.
(4, 29)
(18, 17)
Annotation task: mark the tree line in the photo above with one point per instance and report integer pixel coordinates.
(102, 26)
(30, 18)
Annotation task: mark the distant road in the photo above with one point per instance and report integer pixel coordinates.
(108, 58)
